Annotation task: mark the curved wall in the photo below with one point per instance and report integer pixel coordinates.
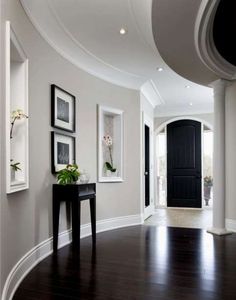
(26, 216)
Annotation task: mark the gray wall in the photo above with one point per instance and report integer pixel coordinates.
(26, 216)
(1, 139)
(231, 152)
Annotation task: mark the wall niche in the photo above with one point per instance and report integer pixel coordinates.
(110, 144)
(17, 139)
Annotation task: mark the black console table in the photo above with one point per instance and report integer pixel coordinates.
(74, 194)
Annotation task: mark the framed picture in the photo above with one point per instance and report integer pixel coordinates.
(62, 109)
(110, 144)
(63, 151)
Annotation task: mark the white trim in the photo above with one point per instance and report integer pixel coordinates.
(219, 231)
(148, 211)
(44, 249)
(204, 42)
(118, 113)
(11, 37)
(164, 124)
(151, 93)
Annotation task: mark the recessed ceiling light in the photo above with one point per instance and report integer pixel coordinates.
(190, 103)
(123, 31)
(187, 86)
(159, 69)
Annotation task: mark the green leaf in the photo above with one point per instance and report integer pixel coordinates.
(68, 175)
(108, 166)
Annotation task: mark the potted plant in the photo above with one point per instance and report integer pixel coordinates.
(107, 139)
(14, 168)
(208, 183)
(69, 175)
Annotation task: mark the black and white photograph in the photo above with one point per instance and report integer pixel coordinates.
(62, 109)
(63, 151)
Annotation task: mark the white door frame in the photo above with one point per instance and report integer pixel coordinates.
(163, 126)
(148, 211)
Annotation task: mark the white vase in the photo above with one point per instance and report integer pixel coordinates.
(84, 177)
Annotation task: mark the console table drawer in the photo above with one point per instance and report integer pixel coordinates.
(86, 189)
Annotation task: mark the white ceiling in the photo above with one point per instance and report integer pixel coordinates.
(87, 34)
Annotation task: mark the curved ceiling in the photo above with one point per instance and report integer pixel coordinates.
(175, 38)
(224, 29)
(87, 34)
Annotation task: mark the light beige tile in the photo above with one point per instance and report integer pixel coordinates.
(181, 218)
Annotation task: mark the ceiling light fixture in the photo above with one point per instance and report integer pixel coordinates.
(190, 103)
(187, 86)
(159, 69)
(123, 31)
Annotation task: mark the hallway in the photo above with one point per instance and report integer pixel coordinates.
(181, 218)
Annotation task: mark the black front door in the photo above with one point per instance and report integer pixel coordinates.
(147, 165)
(184, 183)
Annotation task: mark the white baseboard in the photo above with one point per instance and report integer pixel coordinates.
(230, 224)
(42, 250)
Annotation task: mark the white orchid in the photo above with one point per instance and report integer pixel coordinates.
(16, 115)
(108, 142)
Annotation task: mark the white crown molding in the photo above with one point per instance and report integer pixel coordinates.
(44, 249)
(61, 40)
(151, 93)
(204, 43)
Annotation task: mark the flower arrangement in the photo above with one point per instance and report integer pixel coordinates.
(107, 139)
(208, 181)
(16, 115)
(15, 166)
(69, 175)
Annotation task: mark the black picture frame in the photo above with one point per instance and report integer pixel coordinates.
(62, 109)
(66, 145)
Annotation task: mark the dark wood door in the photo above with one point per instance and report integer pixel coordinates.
(147, 165)
(184, 182)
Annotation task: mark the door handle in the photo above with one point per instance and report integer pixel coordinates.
(145, 173)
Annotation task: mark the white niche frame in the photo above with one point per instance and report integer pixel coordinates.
(113, 119)
(17, 148)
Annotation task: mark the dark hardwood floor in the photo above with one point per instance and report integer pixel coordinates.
(140, 262)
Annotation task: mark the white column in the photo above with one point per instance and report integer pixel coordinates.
(219, 159)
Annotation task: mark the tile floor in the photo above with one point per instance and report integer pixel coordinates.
(181, 218)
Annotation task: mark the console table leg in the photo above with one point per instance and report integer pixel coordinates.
(56, 213)
(92, 203)
(76, 223)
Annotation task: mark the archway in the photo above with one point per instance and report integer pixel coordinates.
(160, 175)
